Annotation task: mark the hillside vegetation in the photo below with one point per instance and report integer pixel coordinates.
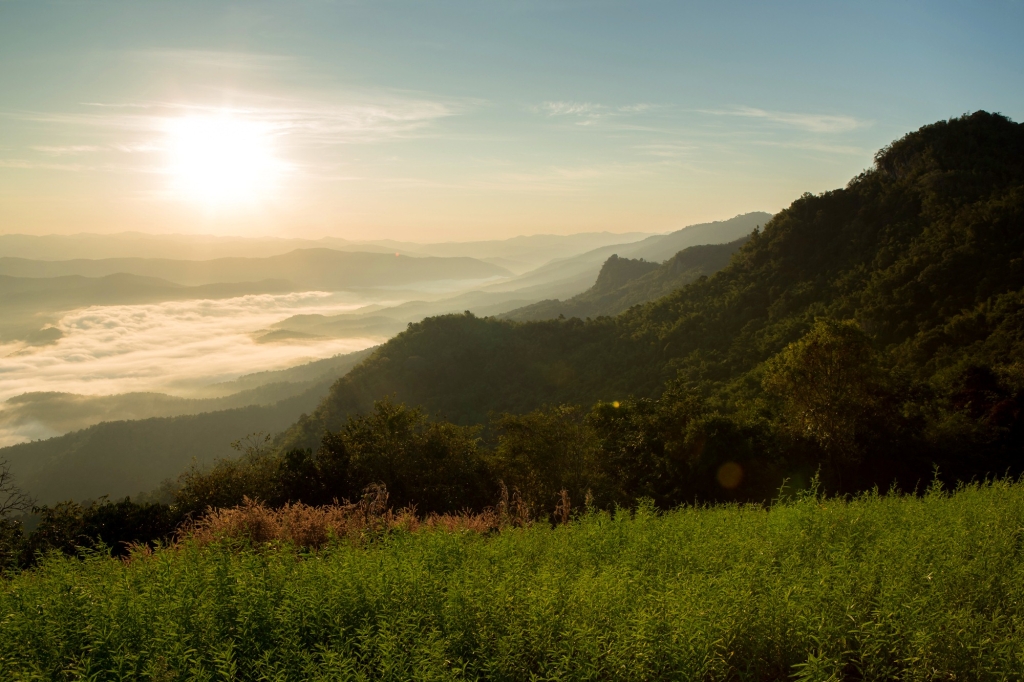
(875, 588)
(906, 285)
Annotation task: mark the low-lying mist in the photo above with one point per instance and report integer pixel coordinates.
(176, 347)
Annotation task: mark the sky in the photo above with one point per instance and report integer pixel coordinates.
(434, 121)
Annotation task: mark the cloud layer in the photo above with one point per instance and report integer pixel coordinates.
(173, 347)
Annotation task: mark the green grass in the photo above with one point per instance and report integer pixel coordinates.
(877, 588)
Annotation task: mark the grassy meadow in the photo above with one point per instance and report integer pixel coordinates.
(877, 587)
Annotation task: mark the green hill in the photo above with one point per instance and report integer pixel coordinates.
(924, 251)
(625, 282)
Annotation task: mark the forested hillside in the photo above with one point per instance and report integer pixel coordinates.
(914, 270)
(625, 282)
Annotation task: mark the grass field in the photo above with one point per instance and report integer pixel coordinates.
(875, 588)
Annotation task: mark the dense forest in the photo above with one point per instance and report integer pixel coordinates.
(871, 335)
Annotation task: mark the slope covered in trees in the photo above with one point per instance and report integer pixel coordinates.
(918, 265)
(865, 336)
(625, 282)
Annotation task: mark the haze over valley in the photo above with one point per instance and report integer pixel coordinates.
(79, 333)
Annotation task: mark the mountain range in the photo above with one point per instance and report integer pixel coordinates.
(924, 252)
(104, 457)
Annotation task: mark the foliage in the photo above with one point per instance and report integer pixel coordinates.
(828, 383)
(435, 465)
(877, 587)
(307, 527)
(76, 529)
(922, 254)
(672, 450)
(12, 543)
(546, 452)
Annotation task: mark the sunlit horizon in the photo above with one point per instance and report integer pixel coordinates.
(444, 122)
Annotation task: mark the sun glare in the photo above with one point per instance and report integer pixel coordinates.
(221, 159)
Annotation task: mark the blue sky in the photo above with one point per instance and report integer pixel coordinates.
(468, 120)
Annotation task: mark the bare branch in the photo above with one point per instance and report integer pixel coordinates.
(12, 498)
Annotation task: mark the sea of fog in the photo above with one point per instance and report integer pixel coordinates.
(175, 347)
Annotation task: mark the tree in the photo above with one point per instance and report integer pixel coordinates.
(828, 384)
(547, 451)
(256, 474)
(673, 449)
(12, 498)
(435, 465)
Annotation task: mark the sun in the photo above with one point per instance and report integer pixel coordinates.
(221, 159)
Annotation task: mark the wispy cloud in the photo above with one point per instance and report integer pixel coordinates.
(819, 147)
(28, 164)
(218, 59)
(566, 179)
(569, 108)
(69, 149)
(667, 150)
(636, 108)
(582, 113)
(350, 122)
(105, 130)
(363, 123)
(814, 123)
(589, 113)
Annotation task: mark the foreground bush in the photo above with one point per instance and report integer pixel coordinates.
(307, 527)
(879, 588)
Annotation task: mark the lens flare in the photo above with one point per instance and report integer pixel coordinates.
(730, 475)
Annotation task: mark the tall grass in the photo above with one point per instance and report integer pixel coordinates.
(875, 588)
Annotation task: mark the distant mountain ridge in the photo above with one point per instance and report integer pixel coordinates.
(625, 282)
(525, 252)
(924, 251)
(304, 269)
(564, 277)
(124, 457)
(33, 293)
(570, 276)
(112, 446)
